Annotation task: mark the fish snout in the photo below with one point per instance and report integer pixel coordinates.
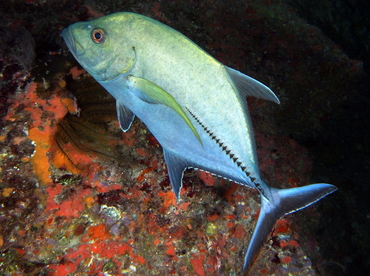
(76, 49)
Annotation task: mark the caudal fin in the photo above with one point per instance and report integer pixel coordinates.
(282, 202)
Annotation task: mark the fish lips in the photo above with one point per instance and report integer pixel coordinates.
(72, 44)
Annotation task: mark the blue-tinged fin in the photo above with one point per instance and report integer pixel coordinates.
(282, 202)
(151, 93)
(248, 86)
(176, 167)
(125, 116)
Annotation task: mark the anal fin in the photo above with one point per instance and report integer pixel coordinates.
(176, 167)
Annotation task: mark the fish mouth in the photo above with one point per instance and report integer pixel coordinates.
(101, 70)
(76, 49)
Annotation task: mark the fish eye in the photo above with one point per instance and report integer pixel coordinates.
(98, 36)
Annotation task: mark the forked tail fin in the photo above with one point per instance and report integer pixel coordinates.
(282, 202)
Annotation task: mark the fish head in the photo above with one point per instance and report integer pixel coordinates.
(101, 45)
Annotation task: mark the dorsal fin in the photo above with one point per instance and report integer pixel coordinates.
(248, 86)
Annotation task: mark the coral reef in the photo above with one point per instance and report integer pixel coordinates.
(78, 196)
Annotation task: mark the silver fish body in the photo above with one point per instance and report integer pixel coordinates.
(194, 106)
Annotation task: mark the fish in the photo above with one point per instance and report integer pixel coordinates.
(194, 105)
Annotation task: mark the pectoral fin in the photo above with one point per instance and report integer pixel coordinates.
(151, 93)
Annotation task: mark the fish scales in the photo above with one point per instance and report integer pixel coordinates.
(206, 78)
